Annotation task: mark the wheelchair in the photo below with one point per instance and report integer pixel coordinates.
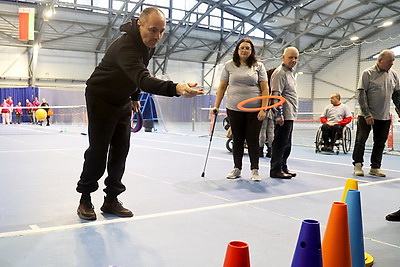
(229, 141)
(341, 140)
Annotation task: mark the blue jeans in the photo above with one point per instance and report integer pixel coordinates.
(380, 131)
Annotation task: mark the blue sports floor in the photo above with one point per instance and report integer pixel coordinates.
(182, 219)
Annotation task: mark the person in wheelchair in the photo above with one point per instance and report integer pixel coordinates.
(335, 116)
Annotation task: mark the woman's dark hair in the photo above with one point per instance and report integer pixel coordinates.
(251, 60)
(269, 75)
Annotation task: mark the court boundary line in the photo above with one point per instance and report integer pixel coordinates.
(37, 230)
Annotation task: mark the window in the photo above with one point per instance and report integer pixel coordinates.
(396, 51)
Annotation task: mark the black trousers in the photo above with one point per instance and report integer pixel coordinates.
(329, 132)
(380, 131)
(281, 146)
(30, 115)
(18, 116)
(245, 126)
(109, 138)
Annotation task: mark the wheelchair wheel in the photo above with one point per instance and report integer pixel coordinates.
(346, 142)
(318, 140)
(229, 144)
(225, 123)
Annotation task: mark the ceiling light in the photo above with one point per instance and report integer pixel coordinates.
(49, 13)
(387, 23)
(354, 38)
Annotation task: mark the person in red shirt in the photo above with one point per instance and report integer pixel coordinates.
(18, 112)
(36, 104)
(5, 112)
(29, 110)
(10, 102)
(335, 116)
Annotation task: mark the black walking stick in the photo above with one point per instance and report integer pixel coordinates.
(209, 145)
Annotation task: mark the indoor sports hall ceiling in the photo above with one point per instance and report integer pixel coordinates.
(206, 30)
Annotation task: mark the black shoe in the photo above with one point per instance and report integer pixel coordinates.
(269, 153)
(86, 211)
(293, 174)
(394, 217)
(261, 152)
(115, 207)
(280, 175)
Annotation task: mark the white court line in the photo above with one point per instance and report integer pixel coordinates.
(381, 242)
(34, 227)
(193, 154)
(41, 150)
(265, 165)
(199, 155)
(37, 230)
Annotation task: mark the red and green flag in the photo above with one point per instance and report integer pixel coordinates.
(26, 24)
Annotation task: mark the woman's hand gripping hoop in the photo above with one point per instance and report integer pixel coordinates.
(139, 122)
(241, 104)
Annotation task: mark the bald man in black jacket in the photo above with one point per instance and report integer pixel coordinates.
(111, 94)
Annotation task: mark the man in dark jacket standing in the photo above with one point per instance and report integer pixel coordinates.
(111, 94)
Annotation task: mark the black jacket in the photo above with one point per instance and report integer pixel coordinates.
(123, 72)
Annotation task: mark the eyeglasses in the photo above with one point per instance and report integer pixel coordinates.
(245, 48)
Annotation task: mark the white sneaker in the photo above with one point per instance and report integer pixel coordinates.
(254, 175)
(358, 169)
(234, 174)
(376, 172)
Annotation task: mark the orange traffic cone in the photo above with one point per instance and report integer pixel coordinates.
(350, 184)
(237, 254)
(336, 242)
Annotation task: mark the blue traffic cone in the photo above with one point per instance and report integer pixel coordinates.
(350, 184)
(353, 201)
(308, 248)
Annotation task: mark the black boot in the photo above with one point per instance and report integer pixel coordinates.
(85, 209)
(261, 152)
(269, 152)
(114, 206)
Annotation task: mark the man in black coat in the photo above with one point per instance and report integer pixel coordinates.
(111, 94)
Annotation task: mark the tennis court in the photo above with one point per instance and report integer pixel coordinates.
(180, 218)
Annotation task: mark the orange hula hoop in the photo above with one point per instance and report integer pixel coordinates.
(241, 104)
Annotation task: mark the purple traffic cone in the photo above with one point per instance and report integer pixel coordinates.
(308, 248)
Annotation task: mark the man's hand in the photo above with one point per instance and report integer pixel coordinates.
(280, 122)
(261, 115)
(135, 106)
(186, 89)
(370, 120)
